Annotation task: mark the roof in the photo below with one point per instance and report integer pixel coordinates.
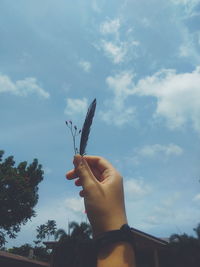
(147, 241)
(13, 257)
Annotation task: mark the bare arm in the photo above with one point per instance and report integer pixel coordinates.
(104, 202)
(119, 255)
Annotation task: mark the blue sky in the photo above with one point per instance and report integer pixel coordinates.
(141, 60)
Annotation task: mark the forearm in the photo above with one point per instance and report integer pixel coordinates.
(119, 254)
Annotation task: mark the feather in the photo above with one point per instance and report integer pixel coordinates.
(86, 127)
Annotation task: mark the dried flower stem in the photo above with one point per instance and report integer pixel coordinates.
(74, 134)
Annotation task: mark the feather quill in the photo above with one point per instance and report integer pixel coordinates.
(86, 127)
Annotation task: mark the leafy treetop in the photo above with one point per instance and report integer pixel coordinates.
(18, 194)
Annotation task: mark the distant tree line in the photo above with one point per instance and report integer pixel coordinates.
(67, 241)
(183, 250)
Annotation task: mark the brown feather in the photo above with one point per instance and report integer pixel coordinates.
(86, 127)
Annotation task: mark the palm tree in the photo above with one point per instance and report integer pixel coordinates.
(41, 230)
(73, 249)
(80, 231)
(47, 229)
(50, 228)
(60, 233)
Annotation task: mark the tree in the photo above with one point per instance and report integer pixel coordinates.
(80, 231)
(18, 194)
(60, 233)
(183, 250)
(51, 228)
(79, 246)
(46, 230)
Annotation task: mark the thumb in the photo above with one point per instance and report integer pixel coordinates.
(83, 171)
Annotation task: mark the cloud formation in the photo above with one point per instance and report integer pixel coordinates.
(85, 65)
(116, 112)
(110, 26)
(177, 97)
(116, 52)
(113, 46)
(197, 198)
(135, 188)
(157, 149)
(23, 88)
(75, 204)
(76, 106)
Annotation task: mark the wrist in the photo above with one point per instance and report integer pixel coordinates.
(106, 224)
(114, 238)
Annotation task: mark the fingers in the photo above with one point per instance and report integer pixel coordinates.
(78, 182)
(97, 165)
(83, 171)
(98, 162)
(71, 174)
(81, 193)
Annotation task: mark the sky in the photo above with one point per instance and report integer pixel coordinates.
(141, 61)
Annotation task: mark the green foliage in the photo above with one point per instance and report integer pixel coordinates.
(60, 233)
(78, 245)
(80, 231)
(46, 230)
(182, 251)
(18, 194)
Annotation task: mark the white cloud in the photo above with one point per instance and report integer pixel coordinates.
(21, 87)
(113, 46)
(197, 198)
(76, 106)
(185, 50)
(75, 204)
(116, 52)
(156, 149)
(116, 112)
(189, 47)
(185, 2)
(110, 27)
(178, 96)
(121, 84)
(118, 117)
(171, 200)
(136, 188)
(163, 213)
(189, 5)
(85, 65)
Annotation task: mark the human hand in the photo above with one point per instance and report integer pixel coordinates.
(102, 191)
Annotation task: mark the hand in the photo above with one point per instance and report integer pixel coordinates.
(102, 191)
